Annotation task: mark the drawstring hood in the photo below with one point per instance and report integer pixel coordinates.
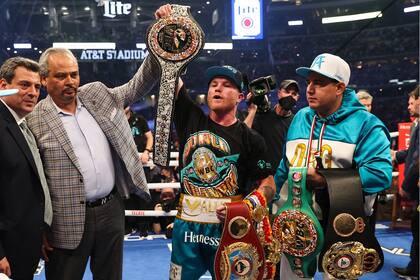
(310, 151)
(349, 105)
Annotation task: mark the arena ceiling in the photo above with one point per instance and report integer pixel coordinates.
(76, 17)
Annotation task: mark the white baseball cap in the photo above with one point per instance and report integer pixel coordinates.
(5, 92)
(328, 65)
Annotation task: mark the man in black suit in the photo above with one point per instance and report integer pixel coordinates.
(25, 205)
(411, 184)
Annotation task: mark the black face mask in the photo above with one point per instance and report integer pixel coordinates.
(287, 103)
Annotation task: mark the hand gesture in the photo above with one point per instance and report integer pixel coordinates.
(144, 157)
(163, 11)
(221, 213)
(314, 180)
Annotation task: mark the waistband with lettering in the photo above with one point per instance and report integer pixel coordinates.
(201, 209)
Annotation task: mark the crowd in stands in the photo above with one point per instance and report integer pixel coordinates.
(377, 55)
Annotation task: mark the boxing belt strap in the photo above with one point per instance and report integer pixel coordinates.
(259, 213)
(173, 41)
(297, 228)
(240, 254)
(351, 248)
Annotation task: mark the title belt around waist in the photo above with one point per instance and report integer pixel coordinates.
(101, 201)
(201, 209)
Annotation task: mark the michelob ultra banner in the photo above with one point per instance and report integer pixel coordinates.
(247, 19)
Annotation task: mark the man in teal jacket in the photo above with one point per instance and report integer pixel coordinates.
(337, 132)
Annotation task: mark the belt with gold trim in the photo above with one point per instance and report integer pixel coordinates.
(351, 248)
(297, 228)
(240, 254)
(173, 41)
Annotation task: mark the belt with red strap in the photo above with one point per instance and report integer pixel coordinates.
(240, 254)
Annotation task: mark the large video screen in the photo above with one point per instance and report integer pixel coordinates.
(247, 19)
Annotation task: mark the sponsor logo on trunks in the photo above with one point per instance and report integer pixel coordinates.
(191, 237)
(200, 209)
(196, 206)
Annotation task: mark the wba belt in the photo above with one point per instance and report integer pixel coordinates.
(240, 254)
(173, 42)
(297, 228)
(350, 249)
(201, 209)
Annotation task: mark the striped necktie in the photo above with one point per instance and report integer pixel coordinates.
(30, 139)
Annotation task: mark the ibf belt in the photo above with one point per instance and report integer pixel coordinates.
(173, 42)
(297, 228)
(351, 249)
(240, 255)
(201, 209)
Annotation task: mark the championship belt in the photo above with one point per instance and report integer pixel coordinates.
(297, 228)
(240, 254)
(259, 213)
(173, 42)
(351, 249)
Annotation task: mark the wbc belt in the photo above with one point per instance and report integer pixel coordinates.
(240, 254)
(173, 42)
(297, 228)
(351, 249)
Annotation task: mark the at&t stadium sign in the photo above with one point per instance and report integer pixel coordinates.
(95, 55)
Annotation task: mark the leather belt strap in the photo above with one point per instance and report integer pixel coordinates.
(297, 228)
(240, 254)
(173, 42)
(351, 248)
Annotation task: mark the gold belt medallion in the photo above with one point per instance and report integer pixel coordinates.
(240, 262)
(349, 260)
(238, 227)
(296, 233)
(345, 225)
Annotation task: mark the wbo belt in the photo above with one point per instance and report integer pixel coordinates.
(240, 254)
(101, 201)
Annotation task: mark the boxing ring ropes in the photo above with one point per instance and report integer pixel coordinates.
(173, 162)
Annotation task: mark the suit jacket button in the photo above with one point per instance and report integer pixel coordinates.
(82, 202)
(81, 180)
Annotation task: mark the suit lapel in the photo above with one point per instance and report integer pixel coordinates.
(57, 128)
(17, 134)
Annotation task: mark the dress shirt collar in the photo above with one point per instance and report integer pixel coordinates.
(18, 119)
(61, 112)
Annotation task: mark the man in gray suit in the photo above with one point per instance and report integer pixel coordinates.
(90, 162)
